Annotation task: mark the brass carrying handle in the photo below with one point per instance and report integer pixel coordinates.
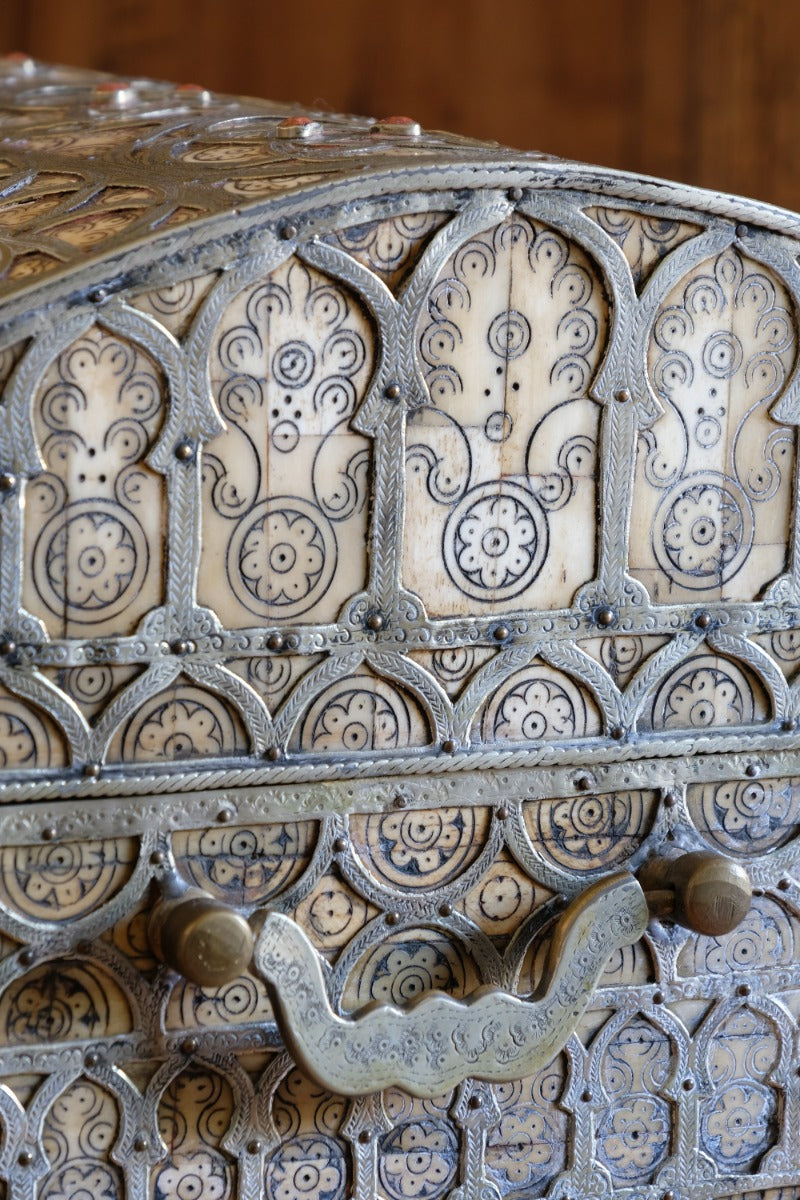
(436, 1041)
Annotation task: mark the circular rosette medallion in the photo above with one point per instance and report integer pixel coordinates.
(703, 531)
(495, 541)
(90, 560)
(282, 557)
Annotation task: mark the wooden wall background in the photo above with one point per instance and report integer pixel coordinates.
(706, 91)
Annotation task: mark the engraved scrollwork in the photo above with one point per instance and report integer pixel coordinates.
(635, 1133)
(704, 691)
(310, 1160)
(183, 722)
(27, 739)
(713, 478)
(528, 1146)
(739, 1122)
(591, 832)
(94, 525)
(420, 849)
(538, 703)
(389, 247)
(286, 483)
(65, 1000)
(193, 1117)
(748, 816)
(245, 865)
(78, 1132)
(768, 937)
(62, 881)
(516, 311)
(361, 713)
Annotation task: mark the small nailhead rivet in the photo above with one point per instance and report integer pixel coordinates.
(399, 802)
(392, 391)
(583, 783)
(703, 620)
(254, 1147)
(688, 1084)
(91, 1059)
(364, 1136)
(448, 746)
(474, 1102)
(445, 909)
(606, 615)
(273, 753)
(375, 621)
(742, 231)
(91, 770)
(49, 833)
(784, 884)
(189, 1045)
(392, 918)
(502, 633)
(658, 997)
(288, 232)
(340, 845)
(140, 1143)
(586, 1096)
(515, 193)
(297, 127)
(158, 858)
(27, 956)
(788, 724)
(743, 989)
(623, 395)
(25, 1158)
(98, 295)
(7, 646)
(502, 813)
(8, 481)
(180, 646)
(670, 800)
(668, 1196)
(184, 451)
(225, 815)
(275, 641)
(751, 770)
(617, 733)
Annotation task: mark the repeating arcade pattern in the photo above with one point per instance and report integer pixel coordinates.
(222, 558)
(681, 1069)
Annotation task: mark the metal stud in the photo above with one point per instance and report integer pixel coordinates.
(448, 746)
(158, 858)
(27, 956)
(375, 621)
(184, 451)
(392, 391)
(25, 1158)
(8, 481)
(91, 770)
(91, 1059)
(273, 753)
(364, 1136)
(392, 918)
(583, 783)
(515, 194)
(501, 633)
(445, 909)
(190, 1045)
(49, 833)
(617, 733)
(225, 815)
(339, 845)
(605, 615)
(288, 231)
(297, 127)
(623, 395)
(502, 813)
(399, 802)
(8, 646)
(254, 1146)
(702, 620)
(751, 770)
(275, 641)
(140, 1143)
(474, 1101)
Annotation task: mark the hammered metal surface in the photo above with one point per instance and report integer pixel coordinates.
(400, 534)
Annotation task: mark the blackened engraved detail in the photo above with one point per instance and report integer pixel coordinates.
(644, 239)
(745, 816)
(706, 691)
(65, 1000)
(285, 485)
(494, 478)
(78, 1135)
(538, 703)
(182, 722)
(282, 558)
(362, 713)
(495, 542)
(194, 1116)
(713, 489)
(93, 529)
(389, 247)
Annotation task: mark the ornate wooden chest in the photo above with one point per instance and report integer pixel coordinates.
(399, 576)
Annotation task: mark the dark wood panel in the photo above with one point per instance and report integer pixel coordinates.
(702, 90)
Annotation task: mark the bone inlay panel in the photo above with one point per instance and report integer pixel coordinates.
(504, 462)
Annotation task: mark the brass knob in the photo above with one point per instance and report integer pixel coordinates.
(705, 892)
(202, 938)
